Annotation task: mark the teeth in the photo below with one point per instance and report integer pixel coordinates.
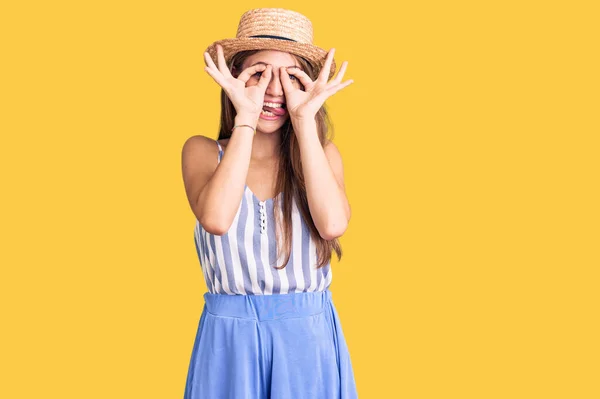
(273, 105)
(267, 113)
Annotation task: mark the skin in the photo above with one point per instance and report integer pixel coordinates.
(215, 192)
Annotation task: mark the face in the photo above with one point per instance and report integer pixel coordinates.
(269, 123)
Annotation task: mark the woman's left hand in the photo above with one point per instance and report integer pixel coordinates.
(304, 104)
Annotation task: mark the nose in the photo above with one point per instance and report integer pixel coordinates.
(275, 88)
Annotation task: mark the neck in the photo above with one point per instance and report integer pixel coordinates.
(265, 146)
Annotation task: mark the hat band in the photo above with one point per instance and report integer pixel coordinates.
(273, 37)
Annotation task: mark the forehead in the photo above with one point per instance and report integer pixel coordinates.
(272, 57)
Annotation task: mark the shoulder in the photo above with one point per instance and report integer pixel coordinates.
(331, 149)
(333, 154)
(200, 150)
(200, 143)
(223, 143)
(199, 140)
(335, 160)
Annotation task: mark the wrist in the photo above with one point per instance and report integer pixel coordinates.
(246, 119)
(298, 121)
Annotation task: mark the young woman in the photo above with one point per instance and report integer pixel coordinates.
(270, 203)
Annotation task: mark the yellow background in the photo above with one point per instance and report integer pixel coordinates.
(470, 145)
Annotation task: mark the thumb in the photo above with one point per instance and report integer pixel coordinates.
(265, 77)
(286, 83)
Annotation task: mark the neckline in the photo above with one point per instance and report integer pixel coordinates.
(258, 199)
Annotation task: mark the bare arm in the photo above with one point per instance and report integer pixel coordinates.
(322, 165)
(214, 191)
(325, 189)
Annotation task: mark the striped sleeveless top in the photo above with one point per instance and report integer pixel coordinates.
(242, 261)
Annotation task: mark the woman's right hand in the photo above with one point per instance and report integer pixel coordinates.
(248, 100)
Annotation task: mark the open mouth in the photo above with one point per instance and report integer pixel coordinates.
(273, 110)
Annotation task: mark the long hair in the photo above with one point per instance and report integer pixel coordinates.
(290, 177)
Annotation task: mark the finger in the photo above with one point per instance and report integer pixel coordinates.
(324, 74)
(286, 82)
(332, 90)
(209, 61)
(265, 78)
(301, 76)
(249, 72)
(216, 75)
(340, 74)
(222, 64)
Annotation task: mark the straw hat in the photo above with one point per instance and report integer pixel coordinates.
(274, 29)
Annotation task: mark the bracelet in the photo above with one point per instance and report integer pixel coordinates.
(246, 126)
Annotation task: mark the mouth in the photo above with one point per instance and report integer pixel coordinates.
(273, 111)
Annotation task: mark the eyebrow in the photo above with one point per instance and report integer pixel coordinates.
(264, 63)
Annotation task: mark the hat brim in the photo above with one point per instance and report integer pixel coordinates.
(310, 52)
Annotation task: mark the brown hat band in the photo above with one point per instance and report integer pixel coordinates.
(274, 37)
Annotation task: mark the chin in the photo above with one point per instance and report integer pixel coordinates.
(267, 126)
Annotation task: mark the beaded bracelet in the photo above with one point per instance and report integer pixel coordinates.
(244, 125)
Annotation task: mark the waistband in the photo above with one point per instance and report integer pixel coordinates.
(267, 307)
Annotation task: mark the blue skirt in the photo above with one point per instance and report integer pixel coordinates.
(270, 346)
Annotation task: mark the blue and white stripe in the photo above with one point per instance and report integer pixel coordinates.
(237, 263)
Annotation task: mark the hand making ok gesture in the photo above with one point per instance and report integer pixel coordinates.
(245, 99)
(304, 104)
